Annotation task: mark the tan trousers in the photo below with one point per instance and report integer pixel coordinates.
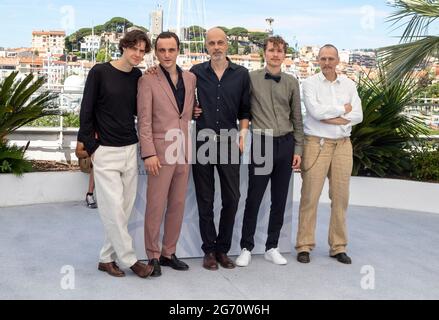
(116, 175)
(335, 162)
(167, 191)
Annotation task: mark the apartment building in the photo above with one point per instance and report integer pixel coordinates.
(52, 42)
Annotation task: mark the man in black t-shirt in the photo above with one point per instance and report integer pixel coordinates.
(107, 112)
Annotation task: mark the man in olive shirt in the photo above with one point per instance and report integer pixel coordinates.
(278, 133)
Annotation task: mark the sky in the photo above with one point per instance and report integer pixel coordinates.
(347, 24)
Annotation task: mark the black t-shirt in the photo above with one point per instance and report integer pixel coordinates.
(108, 107)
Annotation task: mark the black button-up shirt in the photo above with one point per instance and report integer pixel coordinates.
(179, 92)
(223, 101)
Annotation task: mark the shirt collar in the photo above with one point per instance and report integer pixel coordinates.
(179, 70)
(323, 78)
(266, 71)
(232, 65)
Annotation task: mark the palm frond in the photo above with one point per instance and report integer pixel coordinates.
(403, 58)
(21, 103)
(381, 141)
(421, 13)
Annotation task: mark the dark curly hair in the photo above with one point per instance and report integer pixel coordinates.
(132, 38)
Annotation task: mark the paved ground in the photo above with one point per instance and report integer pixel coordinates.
(399, 248)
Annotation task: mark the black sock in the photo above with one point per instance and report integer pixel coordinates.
(89, 193)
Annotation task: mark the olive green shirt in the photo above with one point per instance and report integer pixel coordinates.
(276, 106)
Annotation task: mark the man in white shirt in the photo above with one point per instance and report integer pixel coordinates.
(332, 108)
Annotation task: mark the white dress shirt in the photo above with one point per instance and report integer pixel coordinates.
(325, 100)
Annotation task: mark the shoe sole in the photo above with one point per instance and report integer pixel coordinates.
(347, 262)
(278, 264)
(166, 264)
(242, 264)
(303, 261)
(211, 269)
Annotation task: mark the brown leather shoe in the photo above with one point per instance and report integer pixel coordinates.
(111, 268)
(209, 262)
(224, 260)
(142, 270)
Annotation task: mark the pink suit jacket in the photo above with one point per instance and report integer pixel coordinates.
(158, 113)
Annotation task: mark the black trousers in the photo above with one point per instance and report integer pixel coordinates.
(204, 181)
(283, 153)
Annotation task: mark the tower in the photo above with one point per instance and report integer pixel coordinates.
(156, 22)
(270, 25)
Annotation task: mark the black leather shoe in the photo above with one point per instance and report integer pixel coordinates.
(343, 258)
(303, 257)
(156, 265)
(174, 263)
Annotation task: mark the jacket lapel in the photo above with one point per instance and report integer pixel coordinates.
(166, 88)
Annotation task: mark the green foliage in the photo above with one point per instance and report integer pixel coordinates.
(233, 47)
(70, 120)
(12, 160)
(425, 164)
(238, 32)
(416, 46)
(193, 32)
(225, 29)
(431, 91)
(257, 37)
(382, 141)
(116, 24)
(20, 103)
(48, 121)
(291, 51)
(141, 28)
(103, 56)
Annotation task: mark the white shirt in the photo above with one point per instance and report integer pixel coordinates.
(325, 100)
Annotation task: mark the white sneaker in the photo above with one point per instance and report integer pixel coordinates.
(274, 256)
(244, 258)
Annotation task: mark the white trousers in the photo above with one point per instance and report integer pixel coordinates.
(116, 174)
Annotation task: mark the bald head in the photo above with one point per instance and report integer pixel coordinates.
(217, 45)
(216, 32)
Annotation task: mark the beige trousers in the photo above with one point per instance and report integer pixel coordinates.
(321, 159)
(116, 175)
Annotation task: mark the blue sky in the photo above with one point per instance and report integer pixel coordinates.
(347, 24)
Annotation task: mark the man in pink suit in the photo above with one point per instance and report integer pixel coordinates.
(164, 105)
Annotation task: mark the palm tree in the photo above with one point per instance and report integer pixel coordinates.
(382, 142)
(416, 46)
(20, 104)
